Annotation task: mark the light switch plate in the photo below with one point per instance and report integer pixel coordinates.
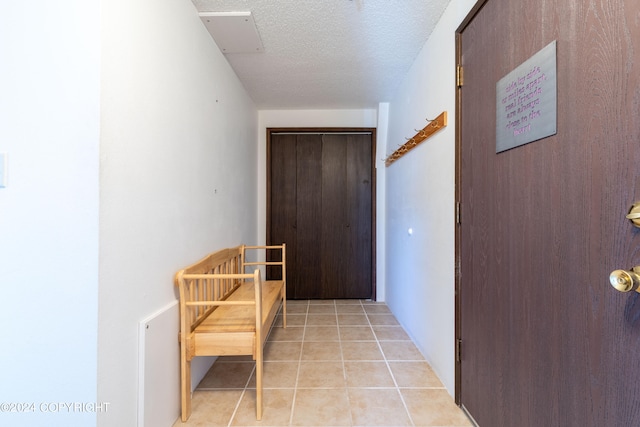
(3, 170)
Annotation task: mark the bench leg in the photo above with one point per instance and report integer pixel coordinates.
(284, 308)
(185, 387)
(259, 383)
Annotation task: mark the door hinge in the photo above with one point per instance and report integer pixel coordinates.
(458, 213)
(458, 350)
(459, 76)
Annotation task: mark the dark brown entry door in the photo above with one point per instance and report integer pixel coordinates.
(546, 341)
(320, 203)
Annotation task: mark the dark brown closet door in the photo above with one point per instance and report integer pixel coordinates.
(326, 182)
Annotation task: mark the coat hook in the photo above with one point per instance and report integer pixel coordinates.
(421, 135)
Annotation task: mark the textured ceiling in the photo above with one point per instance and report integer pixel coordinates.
(329, 53)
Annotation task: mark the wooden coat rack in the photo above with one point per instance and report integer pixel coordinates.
(433, 126)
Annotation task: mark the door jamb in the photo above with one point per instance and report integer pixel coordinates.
(458, 355)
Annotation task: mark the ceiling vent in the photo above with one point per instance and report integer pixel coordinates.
(233, 32)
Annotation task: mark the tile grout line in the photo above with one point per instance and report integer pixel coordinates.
(406, 408)
(344, 370)
(244, 391)
(253, 371)
(235, 410)
(295, 386)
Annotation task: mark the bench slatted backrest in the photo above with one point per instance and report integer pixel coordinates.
(198, 293)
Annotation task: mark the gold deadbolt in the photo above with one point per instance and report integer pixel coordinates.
(625, 281)
(634, 214)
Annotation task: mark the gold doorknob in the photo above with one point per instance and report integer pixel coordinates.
(625, 281)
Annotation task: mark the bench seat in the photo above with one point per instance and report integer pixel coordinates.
(230, 330)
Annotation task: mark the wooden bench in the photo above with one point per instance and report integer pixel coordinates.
(227, 311)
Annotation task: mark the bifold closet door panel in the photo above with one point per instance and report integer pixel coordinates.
(282, 206)
(346, 212)
(335, 224)
(359, 216)
(309, 216)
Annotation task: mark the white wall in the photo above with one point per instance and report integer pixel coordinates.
(177, 173)
(49, 128)
(420, 195)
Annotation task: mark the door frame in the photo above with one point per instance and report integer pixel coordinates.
(324, 130)
(458, 197)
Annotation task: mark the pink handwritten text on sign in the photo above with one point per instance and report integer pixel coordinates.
(526, 101)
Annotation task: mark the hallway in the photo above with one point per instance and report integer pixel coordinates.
(338, 363)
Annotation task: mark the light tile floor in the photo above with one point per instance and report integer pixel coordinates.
(338, 363)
